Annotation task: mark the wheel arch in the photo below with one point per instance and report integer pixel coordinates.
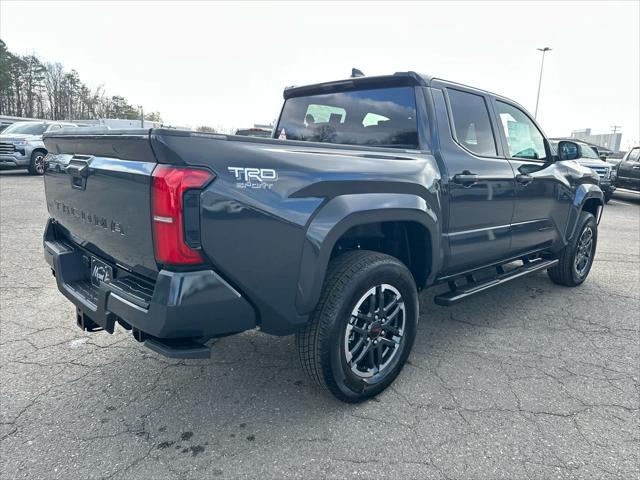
(593, 206)
(406, 240)
(39, 149)
(589, 198)
(346, 214)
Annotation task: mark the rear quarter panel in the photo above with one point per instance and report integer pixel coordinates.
(255, 237)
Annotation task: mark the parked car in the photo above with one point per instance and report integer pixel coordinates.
(21, 145)
(589, 156)
(254, 132)
(628, 170)
(373, 188)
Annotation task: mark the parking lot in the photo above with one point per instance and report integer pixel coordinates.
(531, 380)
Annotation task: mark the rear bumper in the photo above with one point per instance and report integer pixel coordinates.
(178, 305)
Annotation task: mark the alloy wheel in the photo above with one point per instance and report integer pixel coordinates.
(38, 163)
(375, 331)
(584, 252)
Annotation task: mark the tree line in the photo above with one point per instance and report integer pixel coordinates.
(32, 88)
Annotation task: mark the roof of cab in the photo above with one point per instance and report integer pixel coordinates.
(398, 79)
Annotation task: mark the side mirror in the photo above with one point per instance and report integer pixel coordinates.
(568, 150)
(603, 158)
(552, 154)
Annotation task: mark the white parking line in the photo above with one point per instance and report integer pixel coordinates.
(620, 203)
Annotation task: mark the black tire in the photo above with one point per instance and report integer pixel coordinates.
(357, 281)
(569, 271)
(36, 165)
(607, 196)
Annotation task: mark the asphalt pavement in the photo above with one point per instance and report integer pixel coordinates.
(528, 381)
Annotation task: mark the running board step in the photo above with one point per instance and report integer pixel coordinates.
(178, 348)
(460, 293)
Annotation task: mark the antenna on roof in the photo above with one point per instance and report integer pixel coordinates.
(356, 73)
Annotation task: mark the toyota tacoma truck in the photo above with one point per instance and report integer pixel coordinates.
(371, 189)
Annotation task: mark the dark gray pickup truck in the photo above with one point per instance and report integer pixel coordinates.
(372, 189)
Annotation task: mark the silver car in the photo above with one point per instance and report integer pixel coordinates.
(21, 145)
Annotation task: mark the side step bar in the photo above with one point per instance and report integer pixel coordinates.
(456, 294)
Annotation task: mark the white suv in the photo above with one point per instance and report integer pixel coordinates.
(21, 144)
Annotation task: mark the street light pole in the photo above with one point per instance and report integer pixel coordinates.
(543, 50)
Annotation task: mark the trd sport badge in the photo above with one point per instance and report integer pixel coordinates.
(260, 178)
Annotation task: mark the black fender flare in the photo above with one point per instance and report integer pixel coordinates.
(346, 211)
(583, 193)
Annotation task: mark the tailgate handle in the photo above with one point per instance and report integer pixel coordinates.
(78, 170)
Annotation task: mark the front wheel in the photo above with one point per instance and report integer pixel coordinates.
(36, 165)
(607, 196)
(576, 259)
(363, 328)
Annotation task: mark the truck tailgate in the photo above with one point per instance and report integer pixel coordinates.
(98, 190)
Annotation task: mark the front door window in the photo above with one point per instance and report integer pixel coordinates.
(523, 137)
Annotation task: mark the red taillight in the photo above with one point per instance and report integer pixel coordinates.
(169, 184)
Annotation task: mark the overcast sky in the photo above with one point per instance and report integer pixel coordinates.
(227, 64)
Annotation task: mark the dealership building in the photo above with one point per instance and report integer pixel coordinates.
(610, 141)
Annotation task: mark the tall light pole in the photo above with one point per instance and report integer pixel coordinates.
(543, 50)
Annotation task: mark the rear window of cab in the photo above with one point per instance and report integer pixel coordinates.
(384, 117)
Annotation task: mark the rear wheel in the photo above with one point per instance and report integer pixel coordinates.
(576, 259)
(36, 165)
(363, 328)
(607, 196)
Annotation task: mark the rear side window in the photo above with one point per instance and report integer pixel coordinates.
(383, 117)
(471, 122)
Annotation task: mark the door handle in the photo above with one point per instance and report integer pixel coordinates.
(466, 178)
(636, 167)
(524, 179)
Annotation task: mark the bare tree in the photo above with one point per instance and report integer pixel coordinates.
(31, 88)
(205, 128)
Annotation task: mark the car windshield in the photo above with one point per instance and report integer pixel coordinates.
(26, 128)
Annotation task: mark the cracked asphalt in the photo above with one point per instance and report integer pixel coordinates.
(529, 381)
